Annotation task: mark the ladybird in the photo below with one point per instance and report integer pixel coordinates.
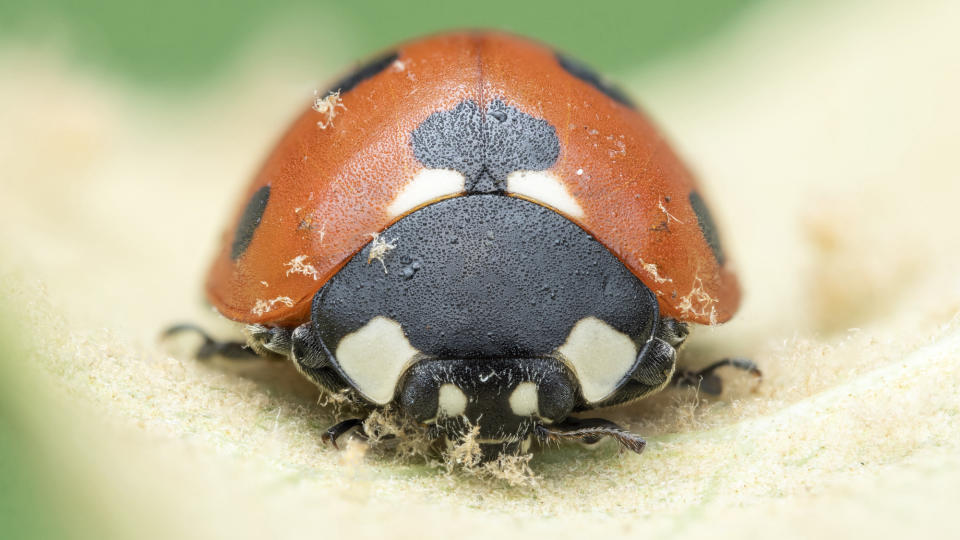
(483, 233)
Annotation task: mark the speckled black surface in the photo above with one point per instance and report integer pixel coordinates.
(486, 276)
(485, 146)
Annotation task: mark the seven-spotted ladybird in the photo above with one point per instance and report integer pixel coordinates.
(479, 231)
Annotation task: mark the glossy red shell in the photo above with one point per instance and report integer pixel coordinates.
(330, 187)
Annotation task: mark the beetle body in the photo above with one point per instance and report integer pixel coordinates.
(480, 231)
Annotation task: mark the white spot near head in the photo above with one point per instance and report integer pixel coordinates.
(544, 187)
(452, 400)
(427, 186)
(600, 356)
(524, 400)
(374, 357)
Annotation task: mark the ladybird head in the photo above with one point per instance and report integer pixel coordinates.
(502, 401)
(489, 313)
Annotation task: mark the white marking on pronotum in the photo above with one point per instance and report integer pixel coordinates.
(327, 106)
(427, 186)
(265, 306)
(379, 248)
(524, 400)
(451, 401)
(374, 357)
(298, 266)
(544, 187)
(600, 356)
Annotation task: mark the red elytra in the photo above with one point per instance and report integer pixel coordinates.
(333, 176)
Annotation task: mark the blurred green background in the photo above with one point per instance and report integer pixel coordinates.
(186, 42)
(20, 497)
(35, 500)
(179, 45)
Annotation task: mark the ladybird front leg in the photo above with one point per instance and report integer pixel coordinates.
(310, 357)
(267, 340)
(656, 366)
(590, 431)
(261, 342)
(660, 356)
(334, 432)
(235, 350)
(707, 381)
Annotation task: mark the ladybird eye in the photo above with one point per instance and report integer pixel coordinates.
(374, 358)
(600, 356)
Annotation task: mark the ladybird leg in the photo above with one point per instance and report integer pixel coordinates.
(590, 430)
(269, 340)
(306, 348)
(652, 374)
(707, 381)
(237, 350)
(660, 356)
(673, 331)
(658, 364)
(334, 432)
(310, 357)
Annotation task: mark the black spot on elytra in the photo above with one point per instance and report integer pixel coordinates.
(363, 73)
(485, 146)
(591, 77)
(249, 222)
(707, 226)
